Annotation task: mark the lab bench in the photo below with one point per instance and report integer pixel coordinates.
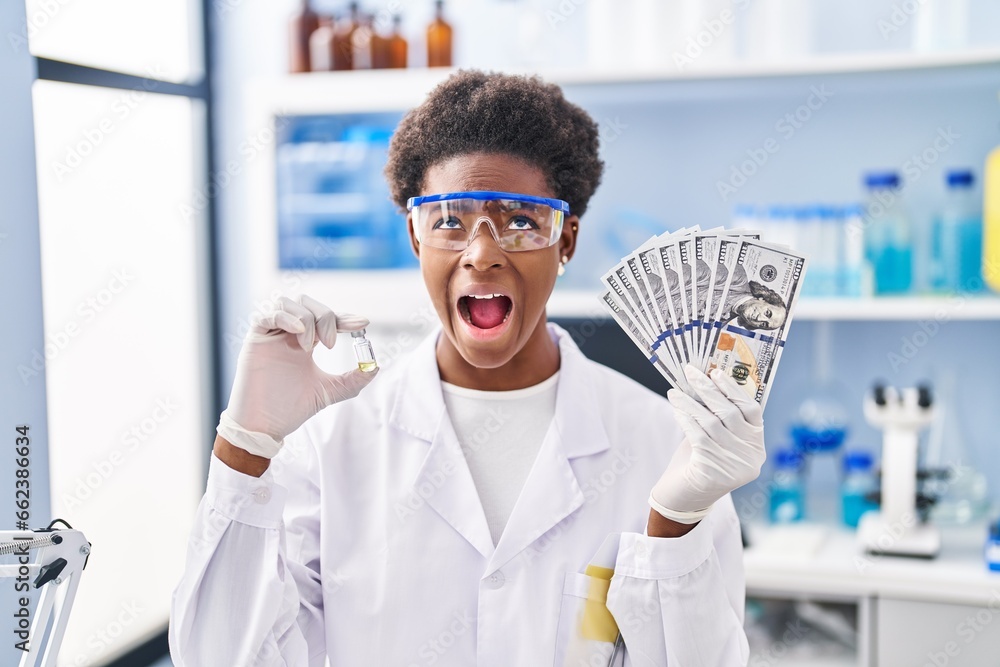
(903, 611)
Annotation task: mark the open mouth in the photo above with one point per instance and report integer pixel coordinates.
(485, 311)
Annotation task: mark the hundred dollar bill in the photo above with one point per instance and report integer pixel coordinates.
(703, 259)
(640, 270)
(754, 314)
(719, 252)
(652, 277)
(627, 322)
(627, 294)
(692, 326)
(672, 273)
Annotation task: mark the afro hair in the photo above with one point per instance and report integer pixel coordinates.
(480, 112)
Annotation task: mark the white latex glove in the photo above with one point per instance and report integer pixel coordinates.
(278, 386)
(723, 448)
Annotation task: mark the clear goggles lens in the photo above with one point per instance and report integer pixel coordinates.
(516, 222)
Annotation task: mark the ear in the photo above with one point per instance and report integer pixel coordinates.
(567, 239)
(414, 244)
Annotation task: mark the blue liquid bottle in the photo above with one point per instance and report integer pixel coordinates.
(787, 497)
(888, 244)
(858, 483)
(957, 237)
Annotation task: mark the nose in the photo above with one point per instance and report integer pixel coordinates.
(484, 251)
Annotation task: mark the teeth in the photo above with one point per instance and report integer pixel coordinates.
(484, 296)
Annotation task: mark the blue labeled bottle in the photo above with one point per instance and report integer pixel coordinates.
(888, 243)
(992, 550)
(957, 237)
(857, 485)
(787, 496)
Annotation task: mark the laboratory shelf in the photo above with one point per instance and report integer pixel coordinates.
(393, 90)
(825, 562)
(586, 304)
(850, 63)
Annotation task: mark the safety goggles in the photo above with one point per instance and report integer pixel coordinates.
(517, 222)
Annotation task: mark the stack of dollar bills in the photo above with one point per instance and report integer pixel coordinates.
(713, 299)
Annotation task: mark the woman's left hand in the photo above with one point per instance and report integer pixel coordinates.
(723, 448)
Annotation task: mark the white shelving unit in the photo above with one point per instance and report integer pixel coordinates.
(399, 86)
(369, 91)
(825, 563)
(584, 304)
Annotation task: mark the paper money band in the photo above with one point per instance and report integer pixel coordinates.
(752, 334)
(260, 444)
(679, 517)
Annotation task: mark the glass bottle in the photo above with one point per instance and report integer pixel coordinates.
(321, 46)
(439, 39)
(363, 43)
(857, 485)
(381, 56)
(397, 45)
(992, 550)
(957, 237)
(363, 351)
(300, 28)
(888, 245)
(343, 39)
(856, 273)
(787, 498)
(962, 493)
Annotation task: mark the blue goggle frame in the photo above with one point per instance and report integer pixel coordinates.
(557, 204)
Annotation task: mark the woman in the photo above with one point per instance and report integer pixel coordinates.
(463, 508)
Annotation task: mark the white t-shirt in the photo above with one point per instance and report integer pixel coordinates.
(500, 433)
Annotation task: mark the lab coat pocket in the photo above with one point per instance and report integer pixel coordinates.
(587, 631)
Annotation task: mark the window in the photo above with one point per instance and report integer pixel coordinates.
(121, 108)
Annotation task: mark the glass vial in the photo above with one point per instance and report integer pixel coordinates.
(363, 351)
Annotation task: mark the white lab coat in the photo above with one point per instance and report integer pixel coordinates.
(365, 542)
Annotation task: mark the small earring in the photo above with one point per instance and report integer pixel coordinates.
(562, 266)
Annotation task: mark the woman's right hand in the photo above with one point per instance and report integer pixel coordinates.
(278, 386)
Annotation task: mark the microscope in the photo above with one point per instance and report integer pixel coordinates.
(899, 528)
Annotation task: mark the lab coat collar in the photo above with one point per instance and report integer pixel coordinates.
(551, 492)
(418, 405)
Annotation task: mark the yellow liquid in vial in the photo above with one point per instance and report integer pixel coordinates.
(367, 366)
